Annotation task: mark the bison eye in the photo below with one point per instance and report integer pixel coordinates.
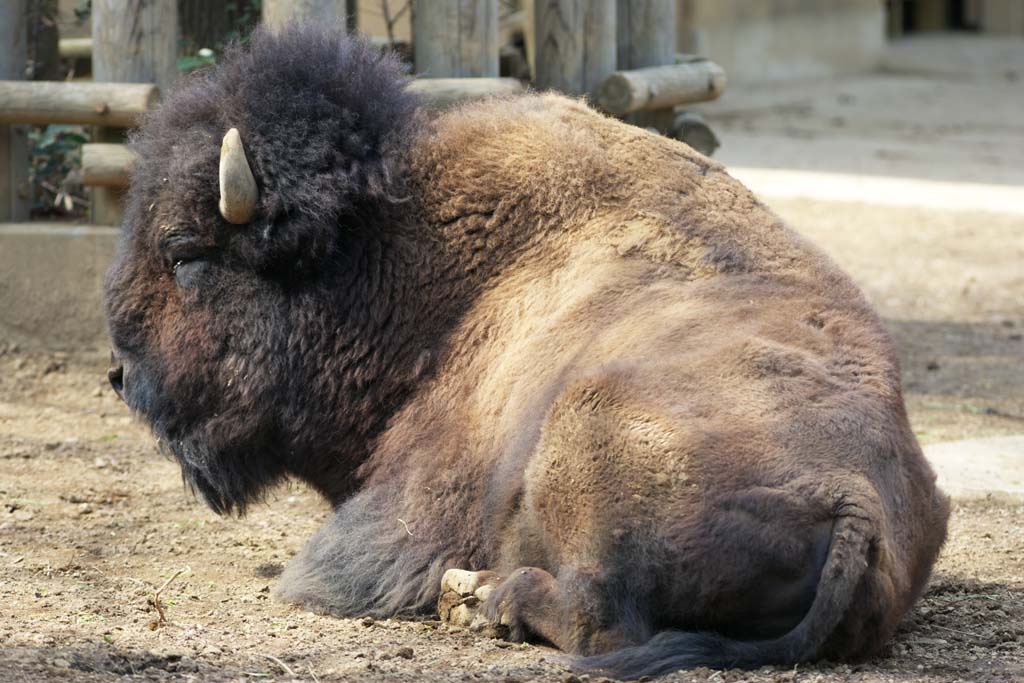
(190, 272)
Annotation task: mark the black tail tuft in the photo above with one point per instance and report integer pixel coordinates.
(852, 535)
(673, 650)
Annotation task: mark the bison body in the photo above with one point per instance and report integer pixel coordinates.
(527, 339)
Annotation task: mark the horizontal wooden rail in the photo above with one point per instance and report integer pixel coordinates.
(116, 105)
(75, 48)
(106, 164)
(661, 87)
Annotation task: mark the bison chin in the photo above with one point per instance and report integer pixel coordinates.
(229, 451)
(227, 475)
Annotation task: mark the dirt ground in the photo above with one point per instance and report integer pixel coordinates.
(110, 570)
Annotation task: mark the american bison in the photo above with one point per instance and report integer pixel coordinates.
(520, 339)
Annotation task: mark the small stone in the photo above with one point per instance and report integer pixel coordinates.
(61, 663)
(269, 570)
(933, 642)
(487, 629)
(405, 653)
(54, 366)
(367, 621)
(932, 365)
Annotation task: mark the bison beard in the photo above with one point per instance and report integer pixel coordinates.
(521, 338)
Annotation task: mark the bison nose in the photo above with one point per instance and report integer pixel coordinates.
(116, 377)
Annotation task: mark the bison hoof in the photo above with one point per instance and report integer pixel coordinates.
(462, 593)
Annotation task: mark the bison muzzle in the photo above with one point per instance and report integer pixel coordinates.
(579, 361)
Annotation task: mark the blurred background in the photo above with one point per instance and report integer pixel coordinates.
(889, 133)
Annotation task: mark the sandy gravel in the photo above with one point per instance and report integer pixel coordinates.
(93, 523)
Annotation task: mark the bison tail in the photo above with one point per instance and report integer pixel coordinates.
(667, 651)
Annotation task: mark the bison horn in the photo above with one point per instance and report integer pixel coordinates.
(237, 186)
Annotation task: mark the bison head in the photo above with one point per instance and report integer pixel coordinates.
(254, 298)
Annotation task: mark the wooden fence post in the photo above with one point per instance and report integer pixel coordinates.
(133, 41)
(456, 38)
(352, 15)
(278, 13)
(14, 190)
(647, 33)
(647, 37)
(575, 44)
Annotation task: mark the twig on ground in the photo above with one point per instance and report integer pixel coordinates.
(162, 620)
(312, 673)
(405, 525)
(963, 633)
(287, 669)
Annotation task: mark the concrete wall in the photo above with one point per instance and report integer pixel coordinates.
(371, 20)
(774, 40)
(1002, 17)
(51, 284)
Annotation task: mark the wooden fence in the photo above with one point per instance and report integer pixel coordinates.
(618, 53)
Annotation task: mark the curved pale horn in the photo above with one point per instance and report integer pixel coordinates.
(237, 186)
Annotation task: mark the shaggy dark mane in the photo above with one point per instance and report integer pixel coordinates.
(325, 119)
(327, 124)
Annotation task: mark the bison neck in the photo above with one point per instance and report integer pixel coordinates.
(364, 345)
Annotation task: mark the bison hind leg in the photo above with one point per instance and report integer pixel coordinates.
(571, 612)
(462, 593)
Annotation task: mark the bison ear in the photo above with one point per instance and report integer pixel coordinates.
(238, 193)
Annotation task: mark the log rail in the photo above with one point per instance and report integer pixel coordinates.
(661, 87)
(106, 164)
(89, 104)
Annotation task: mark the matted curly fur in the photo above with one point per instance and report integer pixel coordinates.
(527, 338)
